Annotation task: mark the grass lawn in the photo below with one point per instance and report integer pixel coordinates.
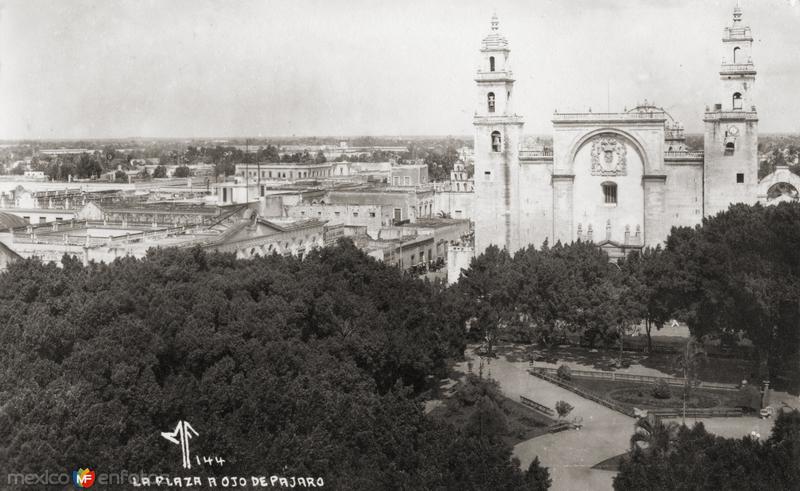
(611, 464)
(639, 395)
(715, 370)
(522, 422)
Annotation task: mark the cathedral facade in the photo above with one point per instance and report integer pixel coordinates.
(621, 180)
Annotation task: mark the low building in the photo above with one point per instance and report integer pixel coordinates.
(282, 171)
(151, 213)
(408, 175)
(7, 256)
(257, 236)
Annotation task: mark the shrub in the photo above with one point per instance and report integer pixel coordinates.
(564, 372)
(563, 408)
(661, 390)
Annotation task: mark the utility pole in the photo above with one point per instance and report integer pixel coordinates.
(258, 170)
(246, 171)
(685, 382)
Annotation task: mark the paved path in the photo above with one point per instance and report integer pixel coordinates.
(733, 427)
(569, 454)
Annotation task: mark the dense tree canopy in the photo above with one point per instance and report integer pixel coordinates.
(296, 367)
(736, 275)
(545, 293)
(694, 459)
(739, 273)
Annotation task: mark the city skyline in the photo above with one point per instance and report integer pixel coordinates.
(71, 70)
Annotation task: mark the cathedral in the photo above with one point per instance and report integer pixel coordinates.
(621, 180)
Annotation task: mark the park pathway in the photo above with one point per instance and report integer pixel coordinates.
(569, 454)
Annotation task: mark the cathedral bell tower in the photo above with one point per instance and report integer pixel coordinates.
(497, 139)
(731, 126)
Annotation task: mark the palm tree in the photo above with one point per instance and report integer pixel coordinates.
(688, 362)
(657, 436)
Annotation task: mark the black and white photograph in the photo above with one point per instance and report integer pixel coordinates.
(409, 245)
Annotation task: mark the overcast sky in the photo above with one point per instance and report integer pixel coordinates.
(196, 68)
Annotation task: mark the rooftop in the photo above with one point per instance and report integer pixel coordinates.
(9, 221)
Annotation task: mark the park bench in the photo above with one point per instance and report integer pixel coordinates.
(535, 405)
(560, 426)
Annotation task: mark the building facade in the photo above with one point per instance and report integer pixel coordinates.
(621, 180)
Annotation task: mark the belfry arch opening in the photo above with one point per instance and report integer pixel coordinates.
(737, 101)
(491, 63)
(736, 55)
(490, 101)
(496, 141)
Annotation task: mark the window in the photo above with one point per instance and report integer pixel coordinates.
(729, 147)
(737, 101)
(396, 180)
(270, 174)
(491, 63)
(610, 193)
(59, 219)
(735, 53)
(490, 98)
(27, 219)
(398, 214)
(336, 213)
(302, 213)
(740, 178)
(372, 214)
(406, 181)
(355, 214)
(496, 141)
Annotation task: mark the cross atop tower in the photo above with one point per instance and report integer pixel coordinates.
(737, 15)
(494, 40)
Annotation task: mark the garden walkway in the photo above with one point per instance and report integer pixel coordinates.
(569, 454)
(605, 433)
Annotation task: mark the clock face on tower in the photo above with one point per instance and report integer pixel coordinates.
(733, 131)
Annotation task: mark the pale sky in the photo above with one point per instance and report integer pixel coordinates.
(200, 68)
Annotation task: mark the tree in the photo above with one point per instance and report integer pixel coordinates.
(695, 459)
(487, 421)
(727, 283)
(563, 408)
(88, 167)
(226, 343)
(538, 477)
(159, 172)
(647, 276)
(688, 362)
(120, 176)
(487, 297)
(657, 437)
(182, 171)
